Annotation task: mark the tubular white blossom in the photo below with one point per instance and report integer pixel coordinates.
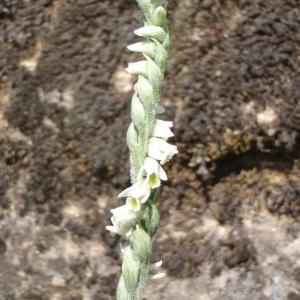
(157, 276)
(153, 171)
(140, 191)
(155, 265)
(148, 48)
(162, 129)
(151, 31)
(123, 220)
(133, 203)
(161, 150)
(138, 68)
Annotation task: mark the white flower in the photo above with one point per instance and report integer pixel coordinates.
(148, 48)
(161, 150)
(155, 265)
(156, 276)
(153, 268)
(133, 204)
(138, 68)
(153, 171)
(139, 191)
(150, 31)
(124, 219)
(162, 129)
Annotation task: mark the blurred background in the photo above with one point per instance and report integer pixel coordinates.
(230, 212)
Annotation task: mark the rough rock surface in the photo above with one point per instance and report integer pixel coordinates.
(231, 210)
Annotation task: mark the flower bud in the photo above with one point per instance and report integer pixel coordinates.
(151, 218)
(138, 113)
(160, 17)
(161, 55)
(132, 138)
(141, 244)
(122, 292)
(130, 270)
(155, 76)
(145, 91)
(138, 68)
(151, 31)
(148, 48)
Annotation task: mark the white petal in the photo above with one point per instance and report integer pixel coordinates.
(124, 219)
(119, 210)
(132, 191)
(153, 181)
(122, 214)
(162, 129)
(148, 48)
(151, 32)
(151, 165)
(133, 204)
(126, 192)
(162, 174)
(155, 153)
(153, 172)
(146, 196)
(167, 157)
(112, 229)
(157, 184)
(154, 149)
(155, 265)
(156, 276)
(120, 230)
(165, 123)
(138, 68)
(161, 150)
(139, 190)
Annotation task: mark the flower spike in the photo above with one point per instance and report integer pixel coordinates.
(138, 219)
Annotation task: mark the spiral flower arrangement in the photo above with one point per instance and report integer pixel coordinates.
(138, 219)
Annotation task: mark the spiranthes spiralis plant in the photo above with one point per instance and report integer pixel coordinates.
(138, 219)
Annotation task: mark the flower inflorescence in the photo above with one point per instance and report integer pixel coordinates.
(138, 219)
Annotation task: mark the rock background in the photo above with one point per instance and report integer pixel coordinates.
(230, 211)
